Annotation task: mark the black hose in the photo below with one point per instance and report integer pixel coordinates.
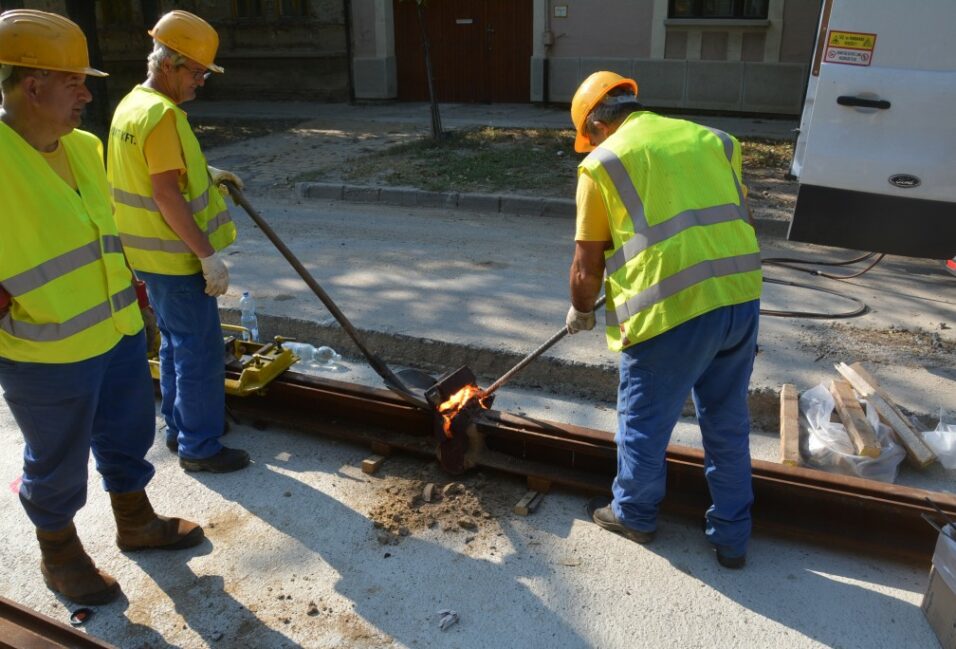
(794, 264)
(860, 310)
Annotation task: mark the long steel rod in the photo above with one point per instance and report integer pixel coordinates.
(548, 344)
(377, 364)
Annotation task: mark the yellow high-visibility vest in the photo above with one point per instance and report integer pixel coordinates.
(151, 245)
(61, 258)
(682, 242)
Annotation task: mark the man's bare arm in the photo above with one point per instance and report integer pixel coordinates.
(176, 212)
(587, 273)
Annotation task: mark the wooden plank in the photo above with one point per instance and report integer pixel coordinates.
(528, 503)
(851, 414)
(372, 463)
(789, 426)
(917, 453)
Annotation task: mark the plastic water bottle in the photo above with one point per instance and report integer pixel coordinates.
(247, 304)
(324, 355)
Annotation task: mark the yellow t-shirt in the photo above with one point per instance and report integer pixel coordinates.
(60, 163)
(163, 151)
(593, 223)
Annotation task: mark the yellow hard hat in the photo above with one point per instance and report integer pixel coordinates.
(189, 35)
(37, 39)
(589, 94)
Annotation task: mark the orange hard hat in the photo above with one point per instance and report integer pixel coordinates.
(189, 35)
(37, 39)
(589, 94)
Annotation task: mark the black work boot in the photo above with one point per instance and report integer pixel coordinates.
(604, 517)
(226, 460)
(138, 527)
(67, 569)
(730, 562)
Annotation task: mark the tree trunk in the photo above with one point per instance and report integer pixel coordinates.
(437, 133)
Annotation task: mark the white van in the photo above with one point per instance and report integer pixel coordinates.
(876, 150)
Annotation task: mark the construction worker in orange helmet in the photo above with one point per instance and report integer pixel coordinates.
(663, 227)
(174, 224)
(72, 350)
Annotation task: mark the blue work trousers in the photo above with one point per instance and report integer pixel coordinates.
(191, 365)
(711, 357)
(65, 409)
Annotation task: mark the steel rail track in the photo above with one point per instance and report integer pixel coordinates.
(24, 628)
(835, 511)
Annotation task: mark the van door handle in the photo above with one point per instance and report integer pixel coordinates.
(847, 100)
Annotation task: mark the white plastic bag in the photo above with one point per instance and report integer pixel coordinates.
(829, 446)
(943, 440)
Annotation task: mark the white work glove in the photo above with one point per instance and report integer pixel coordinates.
(219, 176)
(216, 274)
(579, 320)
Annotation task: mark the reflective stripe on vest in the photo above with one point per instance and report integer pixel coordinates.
(155, 244)
(646, 235)
(123, 197)
(49, 270)
(50, 332)
(681, 281)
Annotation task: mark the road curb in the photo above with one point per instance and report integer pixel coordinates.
(470, 201)
(411, 197)
(588, 381)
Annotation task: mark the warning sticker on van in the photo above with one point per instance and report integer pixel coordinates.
(850, 48)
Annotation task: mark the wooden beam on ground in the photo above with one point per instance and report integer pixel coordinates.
(918, 453)
(372, 463)
(789, 426)
(528, 503)
(851, 414)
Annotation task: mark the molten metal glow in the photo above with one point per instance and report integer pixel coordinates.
(450, 408)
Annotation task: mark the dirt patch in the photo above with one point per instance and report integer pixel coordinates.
(895, 345)
(410, 504)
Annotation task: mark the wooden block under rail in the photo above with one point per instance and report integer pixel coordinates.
(539, 484)
(528, 503)
(372, 463)
(789, 426)
(851, 414)
(381, 448)
(918, 453)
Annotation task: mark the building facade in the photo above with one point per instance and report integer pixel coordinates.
(726, 55)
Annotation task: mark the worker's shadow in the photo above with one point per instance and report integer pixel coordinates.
(397, 589)
(202, 601)
(808, 589)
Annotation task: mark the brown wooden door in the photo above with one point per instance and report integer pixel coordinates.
(480, 50)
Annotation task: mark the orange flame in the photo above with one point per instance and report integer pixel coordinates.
(450, 408)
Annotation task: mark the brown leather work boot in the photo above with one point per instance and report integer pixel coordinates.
(138, 527)
(67, 568)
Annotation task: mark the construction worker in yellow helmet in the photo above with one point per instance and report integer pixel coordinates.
(174, 223)
(72, 348)
(663, 228)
